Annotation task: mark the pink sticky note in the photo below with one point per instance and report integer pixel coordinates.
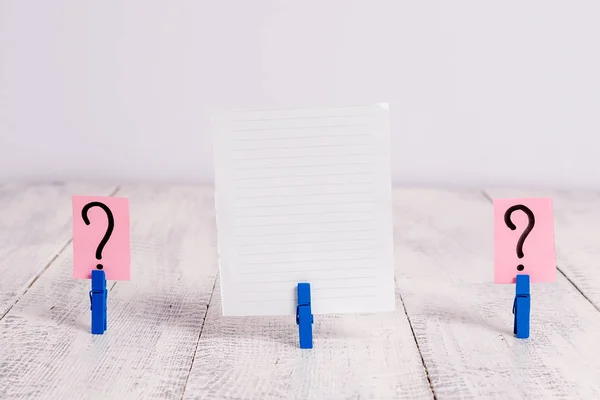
(538, 254)
(114, 257)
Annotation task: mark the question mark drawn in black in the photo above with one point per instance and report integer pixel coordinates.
(512, 226)
(109, 230)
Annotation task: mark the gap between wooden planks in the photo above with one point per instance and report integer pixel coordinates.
(34, 229)
(147, 351)
(463, 322)
(307, 374)
(154, 319)
(354, 357)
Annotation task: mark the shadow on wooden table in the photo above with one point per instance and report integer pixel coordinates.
(451, 314)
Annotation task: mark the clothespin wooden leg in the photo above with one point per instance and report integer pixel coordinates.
(98, 296)
(304, 317)
(522, 307)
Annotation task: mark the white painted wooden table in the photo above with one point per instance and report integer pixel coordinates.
(450, 337)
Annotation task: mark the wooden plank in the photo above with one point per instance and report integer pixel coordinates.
(577, 232)
(35, 226)
(370, 356)
(154, 320)
(463, 322)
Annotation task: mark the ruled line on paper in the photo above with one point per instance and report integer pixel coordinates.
(311, 108)
(303, 233)
(302, 118)
(256, 205)
(306, 247)
(285, 194)
(299, 237)
(320, 259)
(301, 242)
(335, 278)
(301, 217)
(302, 223)
(300, 157)
(301, 152)
(302, 271)
(304, 194)
(315, 146)
(280, 135)
(302, 185)
(334, 186)
(307, 166)
(302, 204)
(254, 260)
(299, 225)
(285, 262)
(284, 181)
(273, 253)
(345, 289)
(313, 289)
(327, 281)
(330, 170)
(337, 165)
(270, 232)
(288, 137)
(295, 214)
(277, 200)
(304, 176)
(308, 161)
(300, 211)
(284, 142)
(297, 228)
(313, 298)
(300, 127)
(260, 244)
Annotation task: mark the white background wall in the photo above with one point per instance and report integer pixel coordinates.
(496, 92)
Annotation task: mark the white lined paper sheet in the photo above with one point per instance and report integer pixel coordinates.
(304, 195)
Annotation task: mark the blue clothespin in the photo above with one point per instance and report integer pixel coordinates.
(522, 307)
(304, 317)
(98, 296)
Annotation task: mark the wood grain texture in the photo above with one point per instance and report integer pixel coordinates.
(463, 322)
(154, 320)
(577, 232)
(444, 272)
(354, 357)
(35, 226)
